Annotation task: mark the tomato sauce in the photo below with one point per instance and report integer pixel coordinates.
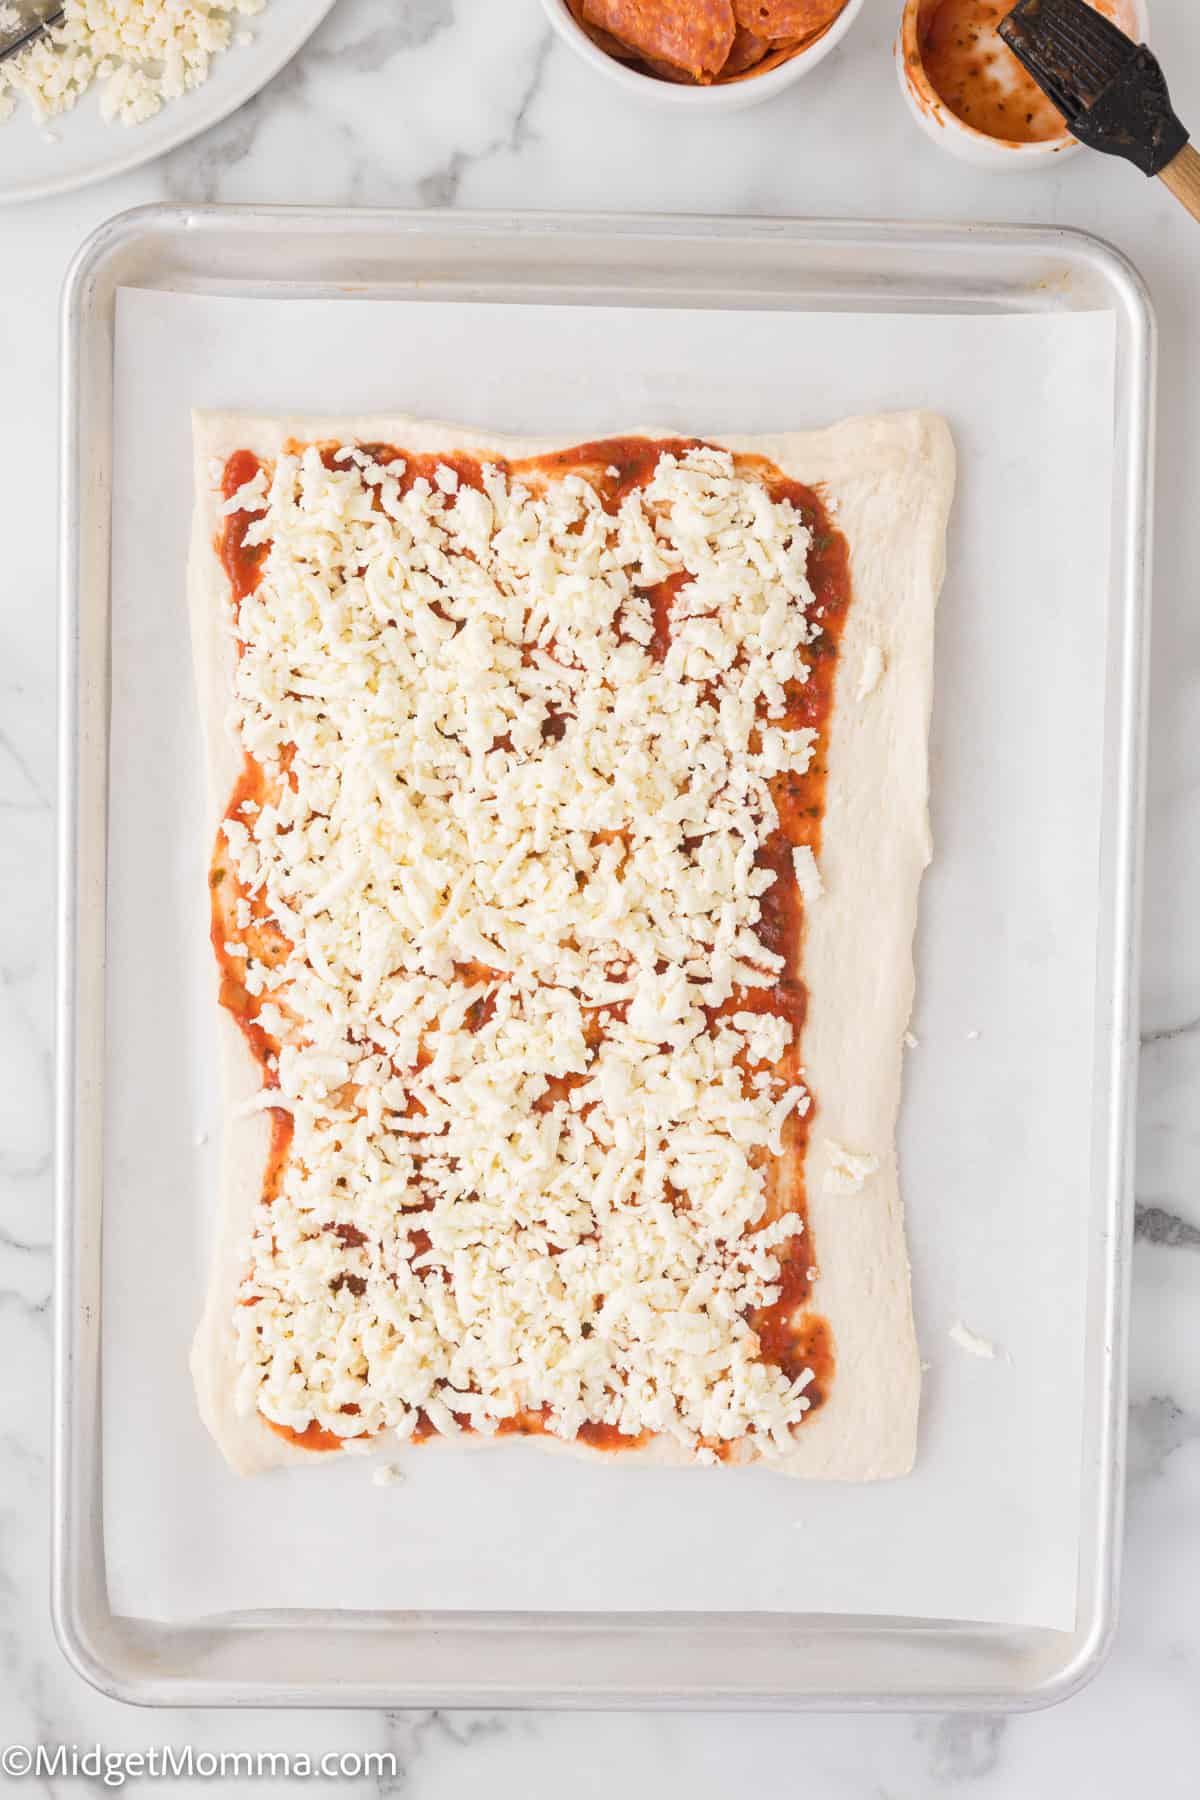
(313, 1437)
(536, 1423)
(788, 1335)
(242, 562)
(972, 70)
(661, 597)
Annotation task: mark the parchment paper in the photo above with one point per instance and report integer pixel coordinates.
(996, 1123)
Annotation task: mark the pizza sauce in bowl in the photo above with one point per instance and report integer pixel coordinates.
(969, 92)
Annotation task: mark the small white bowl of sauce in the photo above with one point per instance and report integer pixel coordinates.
(968, 92)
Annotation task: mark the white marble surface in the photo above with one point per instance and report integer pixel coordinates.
(468, 102)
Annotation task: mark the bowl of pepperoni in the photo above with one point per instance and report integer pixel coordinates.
(723, 54)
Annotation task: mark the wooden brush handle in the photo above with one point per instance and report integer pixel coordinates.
(1182, 176)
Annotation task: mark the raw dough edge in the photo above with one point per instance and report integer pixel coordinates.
(888, 482)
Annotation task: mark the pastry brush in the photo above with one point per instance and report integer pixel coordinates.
(1111, 91)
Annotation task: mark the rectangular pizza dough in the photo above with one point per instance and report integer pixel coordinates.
(887, 483)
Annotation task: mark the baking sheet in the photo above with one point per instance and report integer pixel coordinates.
(995, 1140)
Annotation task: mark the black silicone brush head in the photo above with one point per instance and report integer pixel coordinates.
(1110, 90)
(1073, 52)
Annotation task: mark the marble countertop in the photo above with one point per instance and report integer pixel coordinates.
(472, 103)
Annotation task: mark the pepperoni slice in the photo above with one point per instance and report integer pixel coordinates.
(748, 49)
(786, 19)
(666, 71)
(695, 36)
(603, 40)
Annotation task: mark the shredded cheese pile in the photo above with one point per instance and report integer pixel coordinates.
(141, 53)
(513, 854)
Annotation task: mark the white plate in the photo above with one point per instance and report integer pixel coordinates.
(33, 166)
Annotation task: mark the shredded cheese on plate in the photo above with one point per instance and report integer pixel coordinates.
(140, 53)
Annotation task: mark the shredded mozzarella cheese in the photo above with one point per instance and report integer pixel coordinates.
(971, 1341)
(808, 875)
(514, 856)
(849, 1170)
(140, 53)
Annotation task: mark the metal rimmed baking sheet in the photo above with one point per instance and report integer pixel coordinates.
(704, 266)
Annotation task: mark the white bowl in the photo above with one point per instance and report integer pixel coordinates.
(951, 133)
(726, 96)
